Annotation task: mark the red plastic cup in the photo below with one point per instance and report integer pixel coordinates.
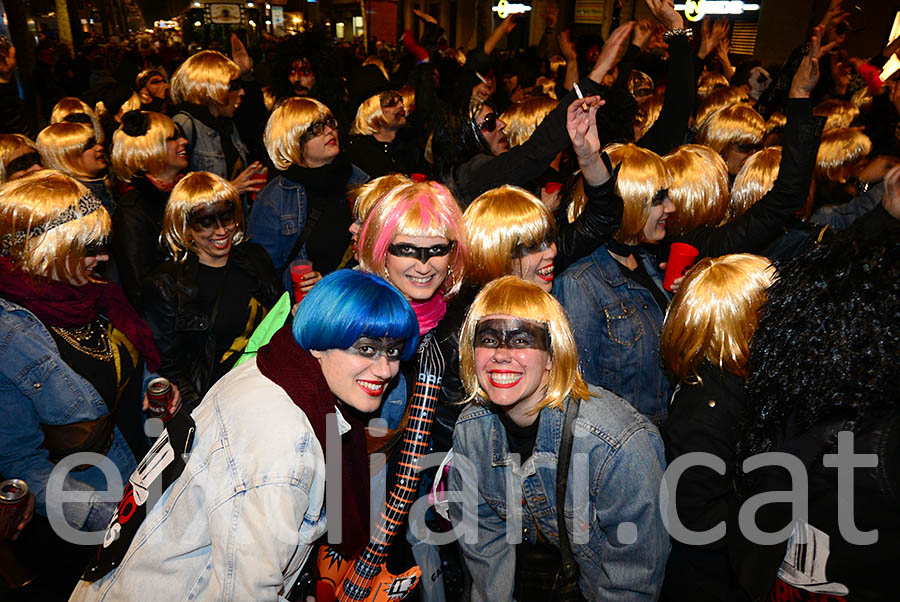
(259, 176)
(299, 268)
(681, 257)
(551, 187)
(417, 177)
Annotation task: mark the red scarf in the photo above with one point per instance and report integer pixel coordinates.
(292, 368)
(57, 303)
(430, 312)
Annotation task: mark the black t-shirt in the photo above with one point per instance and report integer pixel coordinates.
(238, 315)
(104, 357)
(640, 275)
(521, 439)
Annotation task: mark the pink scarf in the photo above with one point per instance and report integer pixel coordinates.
(429, 312)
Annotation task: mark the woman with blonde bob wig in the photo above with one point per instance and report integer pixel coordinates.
(207, 89)
(18, 157)
(614, 296)
(205, 302)
(699, 188)
(90, 348)
(150, 153)
(705, 342)
(519, 365)
(73, 149)
(304, 212)
(735, 132)
(75, 110)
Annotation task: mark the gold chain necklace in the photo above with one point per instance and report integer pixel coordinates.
(88, 340)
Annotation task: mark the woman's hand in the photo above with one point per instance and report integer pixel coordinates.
(582, 125)
(807, 75)
(239, 54)
(664, 12)
(26, 518)
(642, 33)
(676, 284)
(612, 51)
(245, 182)
(309, 279)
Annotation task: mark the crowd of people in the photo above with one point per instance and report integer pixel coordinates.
(419, 273)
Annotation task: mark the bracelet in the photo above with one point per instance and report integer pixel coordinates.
(686, 31)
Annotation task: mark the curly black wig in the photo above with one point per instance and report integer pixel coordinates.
(456, 138)
(316, 46)
(828, 341)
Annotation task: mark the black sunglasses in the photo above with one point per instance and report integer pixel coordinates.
(660, 197)
(203, 222)
(390, 99)
(89, 145)
(98, 247)
(489, 124)
(235, 85)
(317, 128)
(178, 133)
(423, 254)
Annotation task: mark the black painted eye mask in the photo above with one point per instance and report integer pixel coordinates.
(373, 347)
(22, 163)
(512, 334)
(522, 250)
(423, 254)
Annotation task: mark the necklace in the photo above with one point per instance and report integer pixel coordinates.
(90, 339)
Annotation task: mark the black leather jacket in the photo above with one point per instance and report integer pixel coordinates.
(137, 223)
(182, 329)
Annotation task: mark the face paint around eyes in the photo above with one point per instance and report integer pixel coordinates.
(523, 251)
(22, 163)
(660, 197)
(512, 334)
(374, 347)
(423, 254)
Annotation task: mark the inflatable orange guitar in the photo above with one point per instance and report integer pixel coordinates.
(366, 578)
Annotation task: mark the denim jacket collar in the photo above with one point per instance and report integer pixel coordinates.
(611, 271)
(547, 442)
(287, 183)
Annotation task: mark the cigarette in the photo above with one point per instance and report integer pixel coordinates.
(584, 106)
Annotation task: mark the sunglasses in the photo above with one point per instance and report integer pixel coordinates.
(235, 85)
(660, 197)
(89, 145)
(178, 133)
(523, 250)
(22, 163)
(98, 247)
(317, 128)
(489, 124)
(206, 220)
(390, 100)
(423, 254)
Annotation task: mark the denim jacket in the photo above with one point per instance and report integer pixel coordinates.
(38, 387)
(279, 214)
(612, 500)
(206, 148)
(617, 324)
(242, 518)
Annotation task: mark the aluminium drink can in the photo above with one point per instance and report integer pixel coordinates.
(13, 501)
(159, 395)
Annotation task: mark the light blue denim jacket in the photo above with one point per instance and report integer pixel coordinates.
(206, 148)
(38, 387)
(612, 500)
(279, 214)
(242, 518)
(616, 324)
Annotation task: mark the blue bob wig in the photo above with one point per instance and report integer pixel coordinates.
(348, 304)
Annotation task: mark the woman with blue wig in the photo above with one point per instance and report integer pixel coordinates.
(238, 516)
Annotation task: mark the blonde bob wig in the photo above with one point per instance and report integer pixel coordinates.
(203, 79)
(710, 81)
(368, 195)
(512, 296)
(13, 144)
(642, 174)
(756, 178)
(522, 118)
(70, 106)
(415, 209)
(286, 126)
(714, 314)
(29, 205)
(734, 124)
(838, 113)
(839, 151)
(146, 154)
(648, 111)
(62, 144)
(497, 222)
(699, 188)
(194, 191)
(369, 117)
(719, 99)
